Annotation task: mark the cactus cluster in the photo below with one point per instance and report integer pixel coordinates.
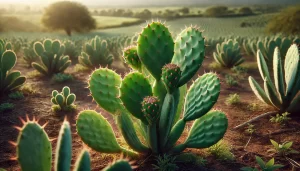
(156, 105)
(64, 100)
(9, 80)
(52, 60)
(250, 46)
(268, 45)
(282, 93)
(96, 54)
(29, 54)
(71, 50)
(228, 54)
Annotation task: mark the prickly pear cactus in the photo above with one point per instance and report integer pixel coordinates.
(64, 100)
(34, 140)
(29, 54)
(155, 105)
(52, 60)
(282, 93)
(95, 54)
(9, 80)
(228, 54)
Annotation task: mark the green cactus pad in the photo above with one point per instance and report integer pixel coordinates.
(207, 130)
(33, 141)
(150, 108)
(8, 61)
(104, 86)
(272, 93)
(189, 53)
(171, 75)
(66, 91)
(291, 67)
(258, 91)
(48, 45)
(155, 48)
(70, 99)
(262, 66)
(54, 93)
(278, 73)
(63, 153)
(38, 48)
(120, 165)
(134, 88)
(60, 99)
(201, 96)
(96, 132)
(83, 162)
(131, 58)
(39, 68)
(56, 46)
(16, 83)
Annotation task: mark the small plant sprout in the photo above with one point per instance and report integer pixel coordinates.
(64, 100)
(165, 163)
(281, 119)
(222, 151)
(231, 81)
(233, 99)
(269, 166)
(283, 149)
(4, 107)
(250, 130)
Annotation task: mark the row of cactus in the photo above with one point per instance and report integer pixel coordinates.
(157, 103)
(52, 60)
(95, 54)
(9, 80)
(63, 100)
(228, 54)
(117, 44)
(29, 54)
(34, 150)
(281, 93)
(268, 45)
(71, 50)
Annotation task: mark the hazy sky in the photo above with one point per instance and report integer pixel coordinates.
(149, 2)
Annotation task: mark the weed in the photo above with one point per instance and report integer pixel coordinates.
(214, 65)
(233, 99)
(281, 119)
(16, 95)
(250, 129)
(165, 163)
(230, 81)
(282, 149)
(221, 151)
(4, 107)
(191, 158)
(60, 78)
(269, 166)
(28, 89)
(80, 68)
(33, 74)
(239, 70)
(253, 107)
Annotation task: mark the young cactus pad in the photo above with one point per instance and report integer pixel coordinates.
(156, 105)
(34, 140)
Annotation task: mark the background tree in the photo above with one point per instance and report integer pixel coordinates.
(245, 11)
(216, 11)
(68, 16)
(286, 22)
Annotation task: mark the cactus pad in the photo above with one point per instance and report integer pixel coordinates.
(201, 96)
(104, 86)
(33, 140)
(83, 162)
(96, 132)
(118, 166)
(155, 48)
(134, 88)
(207, 130)
(189, 53)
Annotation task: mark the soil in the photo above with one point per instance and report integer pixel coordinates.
(38, 105)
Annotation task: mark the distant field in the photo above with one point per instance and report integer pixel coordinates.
(213, 27)
(102, 21)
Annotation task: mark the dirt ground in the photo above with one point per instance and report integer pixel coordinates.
(39, 105)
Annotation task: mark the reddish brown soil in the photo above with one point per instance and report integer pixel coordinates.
(39, 105)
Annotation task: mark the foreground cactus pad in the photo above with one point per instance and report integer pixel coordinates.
(282, 94)
(64, 100)
(153, 107)
(33, 140)
(9, 80)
